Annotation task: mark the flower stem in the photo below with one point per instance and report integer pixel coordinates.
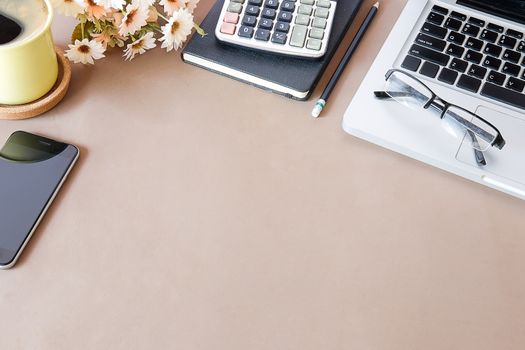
(82, 29)
(163, 17)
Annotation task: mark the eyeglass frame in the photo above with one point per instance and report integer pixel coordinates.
(499, 141)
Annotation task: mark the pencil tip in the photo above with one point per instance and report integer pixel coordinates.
(376, 5)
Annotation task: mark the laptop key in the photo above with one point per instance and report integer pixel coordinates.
(515, 34)
(429, 69)
(431, 42)
(476, 21)
(474, 44)
(521, 46)
(477, 71)
(453, 24)
(489, 36)
(473, 56)
(458, 15)
(493, 50)
(458, 65)
(471, 29)
(496, 77)
(435, 18)
(434, 30)
(456, 38)
(448, 76)
(455, 50)
(469, 83)
(507, 41)
(429, 55)
(511, 69)
(515, 84)
(411, 63)
(511, 56)
(440, 10)
(492, 63)
(507, 96)
(495, 27)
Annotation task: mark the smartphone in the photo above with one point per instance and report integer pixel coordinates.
(32, 170)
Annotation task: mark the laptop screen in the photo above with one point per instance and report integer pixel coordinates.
(510, 9)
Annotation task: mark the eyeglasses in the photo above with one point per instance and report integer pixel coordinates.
(459, 122)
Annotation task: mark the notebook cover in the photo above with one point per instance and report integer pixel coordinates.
(294, 73)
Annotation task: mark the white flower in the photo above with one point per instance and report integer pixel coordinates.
(144, 3)
(177, 30)
(116, 4)
(85, 51)
(68, 7)
(191, 5)
(171, 6)
(140, 46)
(134, 19)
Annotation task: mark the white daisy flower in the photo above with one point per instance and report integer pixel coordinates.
(140, 46)
(170, 6)
(134, 19)
(116, 4)
(85, 51)
(68, 7)
(144, 3)
(93, 10)
(177, 30)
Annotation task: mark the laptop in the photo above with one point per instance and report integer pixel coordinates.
(470, 53)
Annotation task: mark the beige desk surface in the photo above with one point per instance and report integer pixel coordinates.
(207, 214)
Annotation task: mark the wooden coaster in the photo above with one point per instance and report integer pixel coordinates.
(46, 102)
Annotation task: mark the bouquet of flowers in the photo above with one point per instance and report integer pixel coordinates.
(129, 24)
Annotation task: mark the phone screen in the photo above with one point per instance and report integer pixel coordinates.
(32, 169)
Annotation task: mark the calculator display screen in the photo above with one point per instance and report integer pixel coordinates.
(510, 9)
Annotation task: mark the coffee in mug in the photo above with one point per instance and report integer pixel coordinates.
(28, 62)
(21, 19)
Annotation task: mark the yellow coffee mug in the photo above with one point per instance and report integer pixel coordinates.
(28, 68)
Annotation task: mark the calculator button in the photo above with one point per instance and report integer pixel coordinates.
(255, 2)
(239, 1)
(228, 28)
(253, 10)
(269, 13)
(319, 23)
(314, 44)
(288, 6)
(321, 12)
(307, 2)
(323, 3)
(305, 10)
(231, 18)
(262, 34)
(249, 21)
(282, 27)
(279, 38)
(273, 4)
(302, 20)
(246, 32)
(298, 36)
(316, 33)
(266, 23)
(235, 7)
(285, 16)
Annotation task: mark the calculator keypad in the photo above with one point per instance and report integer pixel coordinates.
(292, 27)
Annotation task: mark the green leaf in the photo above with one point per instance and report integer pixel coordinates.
(77, 33)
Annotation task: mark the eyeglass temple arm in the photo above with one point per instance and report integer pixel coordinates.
(480, 158)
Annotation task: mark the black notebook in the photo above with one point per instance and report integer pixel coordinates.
(293, 77)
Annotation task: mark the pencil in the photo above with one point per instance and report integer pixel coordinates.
(321, 103)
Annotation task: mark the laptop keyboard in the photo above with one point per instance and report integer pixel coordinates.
(472, 54)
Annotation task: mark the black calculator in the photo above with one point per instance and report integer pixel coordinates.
(298, 28)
